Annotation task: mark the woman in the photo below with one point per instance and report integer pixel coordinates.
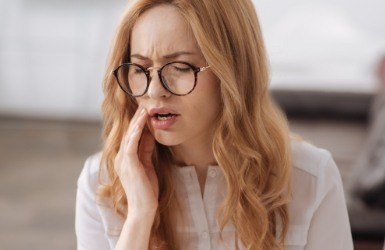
(196, 156)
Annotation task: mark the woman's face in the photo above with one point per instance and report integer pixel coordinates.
(161, 35)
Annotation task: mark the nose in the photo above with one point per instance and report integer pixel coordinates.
(156, 90)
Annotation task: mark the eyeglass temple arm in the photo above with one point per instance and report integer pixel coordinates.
(204, 68)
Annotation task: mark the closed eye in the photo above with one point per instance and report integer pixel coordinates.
(138, 71)
(182, 69)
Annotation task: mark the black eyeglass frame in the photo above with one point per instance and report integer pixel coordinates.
(195, 69)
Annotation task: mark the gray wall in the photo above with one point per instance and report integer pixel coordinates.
(52, 53)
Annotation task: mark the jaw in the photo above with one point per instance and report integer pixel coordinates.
(167, 138)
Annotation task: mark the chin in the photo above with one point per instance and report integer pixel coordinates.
(167, 139)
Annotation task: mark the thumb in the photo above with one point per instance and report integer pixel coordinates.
(146, 147)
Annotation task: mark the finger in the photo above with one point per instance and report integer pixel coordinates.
(125, 137)
(120, 157)
(136, 115)
(146, 147)
(134, 137)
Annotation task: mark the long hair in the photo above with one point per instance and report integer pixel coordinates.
(251, 143)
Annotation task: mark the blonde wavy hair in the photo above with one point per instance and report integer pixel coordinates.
(251, 143)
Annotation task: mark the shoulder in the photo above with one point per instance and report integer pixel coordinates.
(96, 224)
(89, 177)
(313, 167)
(314, 175)
(317, 196)
(308, 158)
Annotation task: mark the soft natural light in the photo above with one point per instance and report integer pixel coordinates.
(323, 45)
(52, 53)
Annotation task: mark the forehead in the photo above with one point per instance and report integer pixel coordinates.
(161, 30)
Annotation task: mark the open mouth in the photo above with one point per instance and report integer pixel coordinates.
(164, 116)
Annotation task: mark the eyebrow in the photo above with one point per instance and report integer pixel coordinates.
(169, 56)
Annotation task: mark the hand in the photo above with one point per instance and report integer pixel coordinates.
(133, 165)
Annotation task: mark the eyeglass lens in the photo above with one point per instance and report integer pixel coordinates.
(178, 78)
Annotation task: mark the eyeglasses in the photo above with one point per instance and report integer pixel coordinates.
(179, 78)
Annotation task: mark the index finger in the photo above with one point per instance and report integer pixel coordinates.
(134, 136)
(130, 126)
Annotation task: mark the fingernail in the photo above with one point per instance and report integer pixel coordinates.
(143, 111)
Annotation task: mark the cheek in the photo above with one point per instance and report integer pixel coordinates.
(215, 107)
(214, 94)
(209, 102)
(138, 100)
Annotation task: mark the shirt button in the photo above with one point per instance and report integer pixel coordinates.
(212, 173)
(205, 235)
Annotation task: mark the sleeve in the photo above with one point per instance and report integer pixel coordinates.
(89, 229)
(330, 227)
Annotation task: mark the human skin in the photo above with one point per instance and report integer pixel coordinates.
(190, 137)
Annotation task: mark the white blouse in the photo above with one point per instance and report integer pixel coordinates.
(318, 214)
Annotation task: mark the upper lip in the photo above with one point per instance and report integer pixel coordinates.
(161, 110)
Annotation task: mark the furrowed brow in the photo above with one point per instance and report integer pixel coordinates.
(138, 56)
(176, 54)
(169, 56)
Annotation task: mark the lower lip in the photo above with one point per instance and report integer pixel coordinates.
(163, 124)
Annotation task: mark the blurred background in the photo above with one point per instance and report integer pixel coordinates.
(324, 56)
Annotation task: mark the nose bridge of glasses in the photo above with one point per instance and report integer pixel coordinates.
(159, 73)
(157, 69)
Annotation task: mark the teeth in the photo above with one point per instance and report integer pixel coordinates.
(163, 117)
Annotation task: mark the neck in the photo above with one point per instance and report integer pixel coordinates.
(197, 154)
